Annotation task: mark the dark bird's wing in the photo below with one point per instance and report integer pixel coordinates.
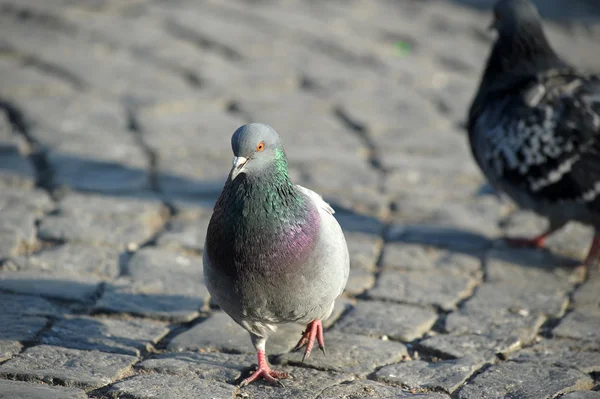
(546, 139)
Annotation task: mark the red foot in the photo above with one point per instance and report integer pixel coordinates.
(313, 330)
(536, 242)
(264, 372)
(594, 253)
(519, 242)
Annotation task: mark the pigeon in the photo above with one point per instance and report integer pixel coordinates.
(274, 253)
(534, 126)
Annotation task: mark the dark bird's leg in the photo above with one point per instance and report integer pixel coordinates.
(313, 331)
(535, 242)
(594, 254)
(263, 371)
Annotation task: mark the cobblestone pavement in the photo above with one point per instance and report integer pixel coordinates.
(115, 121)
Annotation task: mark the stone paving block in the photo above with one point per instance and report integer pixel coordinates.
(583, 324)
(341, 306)
(350, 353)
(158, 283)
(304, 383)
(519, 297)
(582, 395)
(187, 230)
(442, 236)
(129, 337)
(364, 250)
(9, 348)
(355, 222)
(169, 386)
(197, 163)
(72, 258)
(17, 329)
(122, 76)
(348, 184)
(222, 367)
(15, 170)
(27, 305)
(506, 323)
(366, 389)
(401, 256)
(71, 367)
(525, 380)
(220, 332)
(96, 219)
(19, 210)
(478, 347)
(588, 294)
(28, 390)
(359, 281)
(414, 287)
(446, 375)
(582, 355)
(68, 286)
(26, 81)
(549, 273)
(396, 321)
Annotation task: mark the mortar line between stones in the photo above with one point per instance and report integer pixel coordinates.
(44, 173)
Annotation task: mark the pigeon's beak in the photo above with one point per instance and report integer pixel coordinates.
(238, 166)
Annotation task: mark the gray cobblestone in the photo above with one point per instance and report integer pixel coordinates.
(525, 380)
(129, 337)
(102, 262)
(580, 324)
(446, 375)
(20, 390)
(222, 367)
(475, 346)
(584, 356)
(71, 367)
(17, 329)
(158, 283)
(396, 321)
(443, 290)
(96, 219)
(153, 385)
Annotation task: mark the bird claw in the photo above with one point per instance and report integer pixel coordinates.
(313, 331)
(270, 376)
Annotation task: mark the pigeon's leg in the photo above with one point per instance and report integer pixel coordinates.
(313, 331)
(535, 242)
(263, 371)
(594, 254)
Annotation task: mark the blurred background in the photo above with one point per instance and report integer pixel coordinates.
(115, 126)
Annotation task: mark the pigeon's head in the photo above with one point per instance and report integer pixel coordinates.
(512, 15)
(256, 147)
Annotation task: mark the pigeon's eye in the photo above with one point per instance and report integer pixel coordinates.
(260, 146)
(497, 15)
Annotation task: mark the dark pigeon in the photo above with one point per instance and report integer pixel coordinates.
(274, 252)
(534, 126)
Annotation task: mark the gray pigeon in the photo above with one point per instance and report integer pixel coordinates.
(274, 253)
(534, 126)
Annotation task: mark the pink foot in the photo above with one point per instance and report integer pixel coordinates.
(313, 330)
(264, 372)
